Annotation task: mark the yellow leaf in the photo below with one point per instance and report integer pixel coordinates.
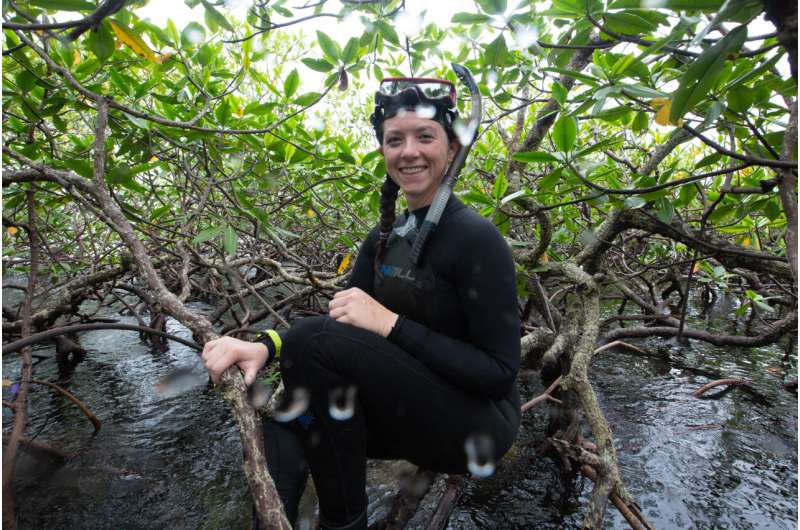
(6, 382)
(696, 267)
(163, 58)
(153, 158)
(746, 242)
(76, 57)
(664, 106)
(545, 258)
(12, 230)
(133, 41)
(345, 262)
(310, 213)
(657, 103)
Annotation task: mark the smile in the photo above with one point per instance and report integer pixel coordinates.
(412, 170)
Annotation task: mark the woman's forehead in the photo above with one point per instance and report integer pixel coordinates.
(410, 121)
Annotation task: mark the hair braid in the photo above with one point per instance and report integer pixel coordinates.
(388, 199)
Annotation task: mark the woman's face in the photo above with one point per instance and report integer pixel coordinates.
(417, 153)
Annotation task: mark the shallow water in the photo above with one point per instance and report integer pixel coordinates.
(173, 460)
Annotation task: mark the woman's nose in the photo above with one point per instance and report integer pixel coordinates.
(410, 149)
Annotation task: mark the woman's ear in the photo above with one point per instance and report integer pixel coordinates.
(453, 149)
(380, 150)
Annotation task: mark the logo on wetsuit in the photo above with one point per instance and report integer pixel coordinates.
(398, 272)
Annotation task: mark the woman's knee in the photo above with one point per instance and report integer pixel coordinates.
(298, 341)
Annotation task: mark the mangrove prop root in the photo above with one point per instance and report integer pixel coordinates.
(719, 382)
(631, 513)
(455, 487)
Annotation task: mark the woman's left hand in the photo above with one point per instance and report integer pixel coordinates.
(355, 307)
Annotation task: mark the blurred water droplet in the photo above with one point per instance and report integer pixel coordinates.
(480, 455)
(298, 404)
(465, 131)
(525, 37)
(259, 393)
(178, 381)
(408, 23)
(425, 111)
(342, 403)
(194, 36)
(491, 79)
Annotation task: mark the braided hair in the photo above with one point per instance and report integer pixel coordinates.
(389, 191)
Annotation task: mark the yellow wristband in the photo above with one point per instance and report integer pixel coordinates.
(276, 340)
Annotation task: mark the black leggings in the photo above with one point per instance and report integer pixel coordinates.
(403, 410)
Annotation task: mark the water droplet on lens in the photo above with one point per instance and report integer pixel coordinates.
(425, 111)
(465, 130)
(480, 455)
(293, 409)
(259, 394)
(525, 37)
(194, 36)
(342, 403)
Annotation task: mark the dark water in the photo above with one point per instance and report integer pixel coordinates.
(173, 460)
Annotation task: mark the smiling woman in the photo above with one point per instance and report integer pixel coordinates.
(427, 353)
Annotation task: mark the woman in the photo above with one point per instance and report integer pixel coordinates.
(430, 352)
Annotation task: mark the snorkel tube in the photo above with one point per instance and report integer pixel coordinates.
(463, 131)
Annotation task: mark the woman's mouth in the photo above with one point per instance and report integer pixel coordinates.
(412, 170)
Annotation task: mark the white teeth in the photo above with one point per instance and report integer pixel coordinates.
(412, 170)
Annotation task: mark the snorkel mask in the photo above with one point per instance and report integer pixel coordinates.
(434, 99)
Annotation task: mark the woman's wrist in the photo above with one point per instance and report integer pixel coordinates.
(271, 340)
(391, 322)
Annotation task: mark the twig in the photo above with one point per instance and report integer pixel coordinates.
(719, 382)
(543, 396)
(97, 424)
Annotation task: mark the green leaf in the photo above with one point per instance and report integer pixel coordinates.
(559, 93)
(329, 47)
(101, 41)
(500, 186)
(350, 51)
(714, 111)
(493, 7)
(218, 18)
(62, 5)
(628, 23)
(634, 202)
(307, 99)
(470, 18)
(533, 156)
(318, 65)
(702, 74)
(740, 98)
(564, 133)
(665, 210)
(207, 234)
(547, 184)
(291, 83)
(640, 122)
(640, 91)
(496, 53)
(223, 112)
(230, 241)
(26, 81)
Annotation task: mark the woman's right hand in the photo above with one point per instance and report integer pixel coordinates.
(221, 353)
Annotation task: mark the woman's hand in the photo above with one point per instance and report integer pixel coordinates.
(355, 307)
(223, 352)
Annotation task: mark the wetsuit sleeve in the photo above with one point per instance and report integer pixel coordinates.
(486, 362)
(363, 273)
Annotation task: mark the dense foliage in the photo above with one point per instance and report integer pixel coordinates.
(650, 141)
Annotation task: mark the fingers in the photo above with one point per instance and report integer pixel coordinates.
(217, 356)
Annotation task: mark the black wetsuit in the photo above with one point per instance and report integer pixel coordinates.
(445, 373)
